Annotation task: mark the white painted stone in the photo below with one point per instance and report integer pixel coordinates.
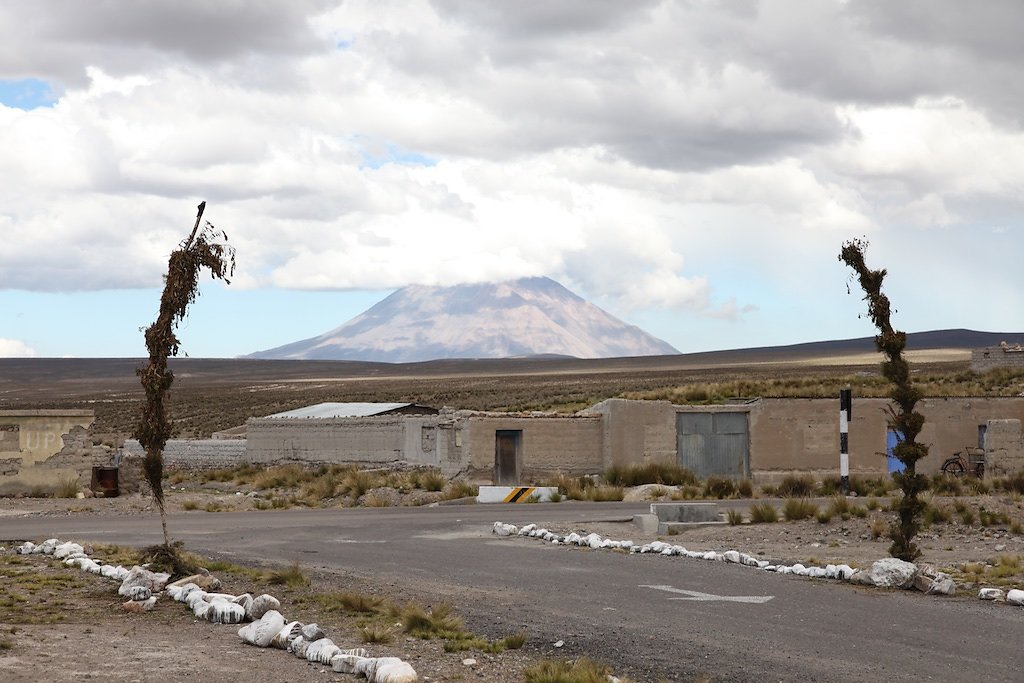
(139, 576)
(731, 556)
(263, 632)
(261, 605)
(992, 594)
(502, 529)
(1015, 597)
(322, 651)
(888, 573)
(65, 549)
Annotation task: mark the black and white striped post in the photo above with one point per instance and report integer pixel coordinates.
(845, 415)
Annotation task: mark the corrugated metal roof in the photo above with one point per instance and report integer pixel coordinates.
(326, 410)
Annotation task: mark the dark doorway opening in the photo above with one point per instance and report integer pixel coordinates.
(508, 445)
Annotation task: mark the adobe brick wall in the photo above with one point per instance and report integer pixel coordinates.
(550, 445)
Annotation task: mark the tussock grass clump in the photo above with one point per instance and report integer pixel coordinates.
(669, 474)
(735, 517)
(460, 489)
(763, 513)
(824, 515)
(945, 484)
(605, 494)
(67, 487)
(375, 633)
(582, 670)
(796, 509)
(439, 622)
(990, 518)
(293, 577)
(171, 558)
(936, 514)
(687, 493)
(1013, 483)
(376, 500)
(719, 487)
(573, 488)
(431, 480)
(795, 486)
(878, 527)
(189, 505)
(359, 603)
(745, 488)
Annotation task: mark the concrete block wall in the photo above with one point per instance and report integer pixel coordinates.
(995, 357)
(194, 454)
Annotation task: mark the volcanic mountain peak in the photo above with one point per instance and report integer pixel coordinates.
(525, 317)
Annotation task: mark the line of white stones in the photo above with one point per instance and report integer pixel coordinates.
(267, 627)
(887, 572)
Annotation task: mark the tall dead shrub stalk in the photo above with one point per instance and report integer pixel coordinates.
(181, 287)
(902, 416)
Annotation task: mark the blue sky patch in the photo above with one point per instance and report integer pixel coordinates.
(27, 93)
(390, 153)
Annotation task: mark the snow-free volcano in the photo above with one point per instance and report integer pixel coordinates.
(525, 317)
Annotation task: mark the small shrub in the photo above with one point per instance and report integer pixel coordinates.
(189, 505)
(824, 515)
(763, 513)
(1016, 528)
(796, 509)
(979, 487)
(735, 517)
(214, 506)
(859, 511)
(989, 518)
(556, 496)
(719, 487)
(829, 485)
(794, 486)
(745, 488)
(657, 493)
(872, 504)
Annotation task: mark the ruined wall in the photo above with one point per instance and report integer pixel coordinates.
(42, 448)
(1004, 448)
(550, 444)
(994, 357)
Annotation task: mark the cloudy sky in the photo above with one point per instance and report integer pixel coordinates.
(692, 166)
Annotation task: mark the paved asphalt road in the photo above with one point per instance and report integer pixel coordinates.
(646, 615)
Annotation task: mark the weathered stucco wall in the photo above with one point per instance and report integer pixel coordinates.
(549, 445)
(802, 435)
(417, 440)
(41, 448)
(636, 431)
(1004, 448)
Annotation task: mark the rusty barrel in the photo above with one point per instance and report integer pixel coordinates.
(104, 482)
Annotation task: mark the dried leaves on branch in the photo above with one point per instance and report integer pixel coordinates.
(181, 287)
(903, 419)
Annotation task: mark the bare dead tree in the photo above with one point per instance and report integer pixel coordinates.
(181, 287)
(902, 416)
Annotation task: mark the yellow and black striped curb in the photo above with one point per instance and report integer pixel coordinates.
(519, 494)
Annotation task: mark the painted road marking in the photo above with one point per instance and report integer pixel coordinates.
(519, 493)
(710, 597)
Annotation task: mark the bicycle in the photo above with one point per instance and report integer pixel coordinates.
(974, 463)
